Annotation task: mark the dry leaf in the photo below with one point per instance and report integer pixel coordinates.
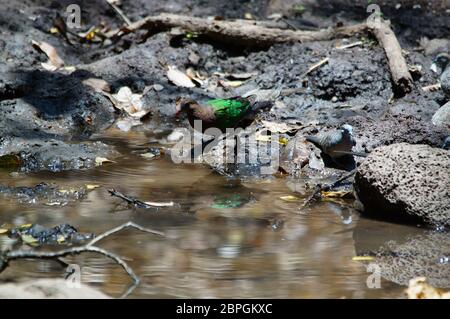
(129, 102)
(290, 198)
(100, 160)
(28, 239)
(337, 194)
(148, 155)
(276, 127)
(179, 78)
(242, 76)
(54, 61)
(156, 204)
(99, 85)
(3, 230)
(230, 84)
(363, 258)
(91, 186)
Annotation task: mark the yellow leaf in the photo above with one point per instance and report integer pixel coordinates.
(363, 258)
(3, 230)
(90, 35)
(338, 194)
(61, 239)
(54, 30)
(283, 141)
(25, 226)
(290, 198)
(92, 186)
(100, 160)
(28, 239)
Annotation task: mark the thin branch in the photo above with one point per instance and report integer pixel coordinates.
(136, 202)
(7, 256)
(119, 228)
(119, 12)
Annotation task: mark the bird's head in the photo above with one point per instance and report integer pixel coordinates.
(347, 129)
(183, 104)
(440, 62)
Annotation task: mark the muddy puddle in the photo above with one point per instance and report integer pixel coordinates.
(225, 237)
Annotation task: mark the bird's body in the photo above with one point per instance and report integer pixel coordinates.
(336, 143)
(221, 113)
(441, 65)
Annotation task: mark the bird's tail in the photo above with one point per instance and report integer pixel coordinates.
(262, 105)
(314, 140)
(359, 154)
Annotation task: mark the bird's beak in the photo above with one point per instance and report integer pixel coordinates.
(434, 68)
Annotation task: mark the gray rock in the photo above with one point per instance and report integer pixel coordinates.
(442, 116)
(406, 181)
(48, 288)
(54, 155)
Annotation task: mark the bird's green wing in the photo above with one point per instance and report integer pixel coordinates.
(228, 112)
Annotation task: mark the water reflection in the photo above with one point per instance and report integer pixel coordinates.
(225, 237)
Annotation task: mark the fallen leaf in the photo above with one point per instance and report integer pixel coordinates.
(230, 84)
(99, 85)
(91, 186)
(248, 16)
(280, 127)
(54, 30)
(3, 230)
(179, 78)
(60, 239)
(100, 160)
(363, 258)
(337, 194)
(160, 204)
(263, 138)
(28, 239)
(290, 198)
(54, 61)
(242, 76)
(148, 155)
(283, 141)
(129, 102)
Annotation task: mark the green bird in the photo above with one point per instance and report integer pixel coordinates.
(222, 113)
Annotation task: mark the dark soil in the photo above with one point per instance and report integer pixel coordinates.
(354, 86)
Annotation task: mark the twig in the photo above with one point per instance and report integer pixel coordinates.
(119, 228)
(5, 257)
(315, 66)
(119, 12)
(235, 31)
(431, 88)
(136, 202)
(350, 45)
(401, 78)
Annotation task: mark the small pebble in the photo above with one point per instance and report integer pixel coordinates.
(158, 87)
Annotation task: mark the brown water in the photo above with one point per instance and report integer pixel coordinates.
(265, 247)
